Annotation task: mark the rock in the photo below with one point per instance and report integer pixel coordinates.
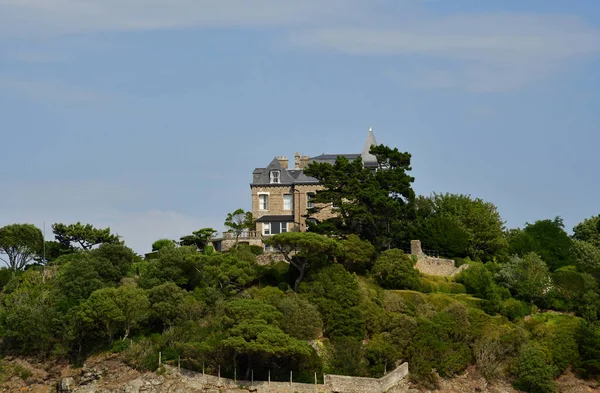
(89, 375)
(65, 385)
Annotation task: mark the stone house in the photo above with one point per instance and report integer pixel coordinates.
(281, 195)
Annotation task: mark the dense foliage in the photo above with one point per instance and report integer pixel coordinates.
(345, 298)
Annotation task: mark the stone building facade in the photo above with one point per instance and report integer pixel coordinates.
(281, 194)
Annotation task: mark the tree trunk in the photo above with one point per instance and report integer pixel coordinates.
(301, 269)
(249, 368)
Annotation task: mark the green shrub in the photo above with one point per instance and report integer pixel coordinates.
(119, 346)
(256, 250)
(533, 371)
(513, 309)
(395, 270)
(588, 341)
(142, 355)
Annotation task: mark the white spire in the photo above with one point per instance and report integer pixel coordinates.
(366, 156)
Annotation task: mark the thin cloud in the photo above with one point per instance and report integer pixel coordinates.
(35, 57)
(48, 91)
(74, 16)
(480, 52)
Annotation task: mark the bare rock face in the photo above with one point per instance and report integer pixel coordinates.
(89, 375)
(65, 385)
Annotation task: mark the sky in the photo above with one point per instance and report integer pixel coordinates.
(149, 116)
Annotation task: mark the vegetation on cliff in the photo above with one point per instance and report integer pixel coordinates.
(346, 300)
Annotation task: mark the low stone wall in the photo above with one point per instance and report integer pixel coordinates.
(340, 383)
(437, 266)
(333, 383)
(432, 265)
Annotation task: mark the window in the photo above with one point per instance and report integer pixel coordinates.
(284, 227)
(309, 200)
(275, 177)
(287, 202)
(263, 202)
(266, 228)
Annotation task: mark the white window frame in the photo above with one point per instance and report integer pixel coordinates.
(275, 177)
(266, 229)
(283, 228)
(262, 195)
(309, 203)
(290, 199)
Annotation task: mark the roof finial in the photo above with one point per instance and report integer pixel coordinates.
(370, 129)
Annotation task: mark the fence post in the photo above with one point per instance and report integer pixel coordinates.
(159, 359)
(315, 378)
(234, 374)
(269, 377)
(291, 380)
(252, 380)
(202, 368)
(219, 373)
(179, 363)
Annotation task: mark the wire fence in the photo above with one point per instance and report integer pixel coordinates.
(247, 375)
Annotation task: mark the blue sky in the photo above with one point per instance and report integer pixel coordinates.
(149, 116)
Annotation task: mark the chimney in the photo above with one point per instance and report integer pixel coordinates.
(283, 160)
(304, 161)
(297, 161)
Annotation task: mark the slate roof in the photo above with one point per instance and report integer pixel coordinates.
(288, 177)
(330, 158)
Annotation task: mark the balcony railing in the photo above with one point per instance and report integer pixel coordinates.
(231, 236)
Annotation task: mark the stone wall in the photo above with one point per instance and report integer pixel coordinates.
(433, 265)
(345, 384)
(333, 383)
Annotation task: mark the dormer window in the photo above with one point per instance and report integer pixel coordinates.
(275, 177)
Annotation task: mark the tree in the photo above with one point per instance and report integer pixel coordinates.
(551, 242)
(100, 313)
(534, 371)
(587, 257)
(228, 272)
(588, 231)
(86, 236)
(300, 249)
(527, 277)
(396, 270)
(336, 293)
(199, 238)
(238, 222)
(21, 243)
(133, 304)
(28, 318)
(253, 331)
(161, 243)
(373, 204)
(355, 254)
(458, 225)
(180, 265)
(301, 319)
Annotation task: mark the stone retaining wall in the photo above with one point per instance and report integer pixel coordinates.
(333, 383)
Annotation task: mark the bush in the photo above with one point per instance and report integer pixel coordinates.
(513, 309)
(142, 355)
(533, 371)
(588, 341)
(396, 270)
(119, 346)
(256, 250)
